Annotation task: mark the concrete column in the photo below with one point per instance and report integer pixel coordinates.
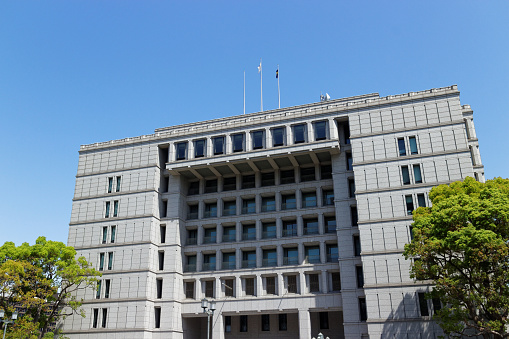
(321, 223)
(199, 261)
(238, 257)
(217, 292)
(208, 147)
(279, 250)
(278, 201)
(310, 134)
(259, 257)
(279, 228)
(201, 208)
(258, 228)
(249, 145)
(304, 324)
(268, 138)
(238, 228)
(300, 225)
(323, 254)
(228, 144)
(200, 233)
(301, 253)
(324, 284)
(289, 135)
(219, 260)
(217, 325)
(259, 286)
(280, 284)
(238, 287)
(219, 232)
(190, 150)
(333, 131)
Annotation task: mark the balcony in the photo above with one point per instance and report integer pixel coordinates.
(192, 215)
(209, 240)
(332, 257)
(228, 265)
(191, 241)
(249, 263)
(190, 268)
(290, 261)
(269, 262)
(269, 207)
(310, 230)
(312, 259)
(249, 236)
(289, 205)
(229, 237)
(209, 266)
(210, 214)
(290, 232)
(269, 234)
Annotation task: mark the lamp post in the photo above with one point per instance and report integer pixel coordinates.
(7, 322)
(320, 336)
(208, 307)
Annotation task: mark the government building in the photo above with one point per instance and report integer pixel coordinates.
(292, 221)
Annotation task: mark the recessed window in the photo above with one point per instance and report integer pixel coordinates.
(328, 197)
(401, 147)
(265, 322)
(320, 130)
(324, 320)
(258, 139)
(248, 206)
(291, 283)
(278, 136)
(194, 188)
(229, 234)
(283, 322)
(363, 310)
(211, 186)
(157, 317)
(229, 208)
(110, 261)
(248, 259)
(113, 234)
(191, 263)
(159, 288)
(269, 230)
(409, 204)
(230, 184)
(351, 188)
(164, 208)
(307, 174)
(268, 179)
(336, 281)
(417, 174)
(290, 256)
(405, 174)
(289, 228)
(98, 290)
(413, 145)
(104, 320)
(228, 261)
(354, 216)
(218, 145)
(105, 234)
(228, 288)
(310, 226)
(110, 184)
(209, 289)
(107, 284)
(199, 148)
(356, 246)
(249, 286)
(117, 188)
(181, 150)
(210, 210)
(249, 232)
(346, 132)
(193, 212)
(115, 208)
(360, 276)
(308, 199)
(107, 211)
(349, 161)
(101, 261)
(209, 263)
(209, 235)
(270, 285)
(192, 237)
(95, 317)
(287, 177)
(160, 256)
(288, 202)
(330, 224)
(243, 323)
(227, 324)
(421, 200)
(314, 283)
(269, 258)
(299, 134)
(423, 304)
(248, 181)
(326, 172)
(312, 254)
(437, 305)
(238, 142)
(268, 204)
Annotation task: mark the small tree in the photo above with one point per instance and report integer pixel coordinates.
(44, 279)
(462, 244)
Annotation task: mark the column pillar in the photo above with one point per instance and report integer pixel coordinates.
(304, 324)
(216, 322)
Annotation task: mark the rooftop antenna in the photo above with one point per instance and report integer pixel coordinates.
(325, 97)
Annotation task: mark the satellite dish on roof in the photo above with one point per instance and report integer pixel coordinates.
(325, 97)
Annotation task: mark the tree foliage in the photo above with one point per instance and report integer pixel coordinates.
(42, 279)
(462, 244)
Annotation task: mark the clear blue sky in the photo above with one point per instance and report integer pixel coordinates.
(78, 72)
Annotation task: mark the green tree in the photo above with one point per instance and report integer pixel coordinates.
(462, 244)
(44, 279)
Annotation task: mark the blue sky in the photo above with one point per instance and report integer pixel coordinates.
(78, 72)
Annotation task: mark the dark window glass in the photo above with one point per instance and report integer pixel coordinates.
(346, 130)
(417, 174)
(229, 234)
(332, 253)
(265, 322)
(218, 143)
(164, 208)
(227, 323)
(310, 226)
(401, 147)
(278, 136)
(413, 145)
(229, 208)
(421, 200)
(228, 261)
(349, 162)
(268, 204)
(307, 174)
(191, 264)
(363, 311)
(98, 291)
(115, 208)
(209, 262)
(157, 314)
(211, 186)
(351, 188)
(210, 210)
(257, 139)
(250, 286)
(192, 237)
(292, 283)
(194, 188)
(105, 313)
(228, 287)
(243, 323)
(209, 236)
(299, 134)
(230, 184)
(406, 175)
(270, 284)
(308, 199)
(101, 261)
(314, 283)
(209, 289)
(409, 204)
(326, 171)
(248, 259)
(324, 320)
(336, 281)
(110, 184)
(291, 256)
(105, 234)
(107, 212)
(268, 179)
(248, 232)
(289, 228)
(437, 305)
(269, 258)
(248, 181)
(107, 288)
(193, 212)
(96, 315)
(423, 304)
(288, 202)
(320, 130)
(288, 177)
(181, 150)
(411, 230)
(312, 254)
(283, 322)
(354, 216)
(360, 276)
(117, 189)
(159, 288)
(113, 233)
(356, 245)
(328, 197)
(199, 148)
(110, 261)
(161, 260)
(238, 142)
(190, 289)
(330, 224)
(248, 206)
(269, 230)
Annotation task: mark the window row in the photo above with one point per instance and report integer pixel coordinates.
(407, 146)
(266, 285)
(258, 139)
(407, 178)
(105, 265)
(412, 201)
(107, 209)
(270, 257)
(95, 317)
(247, 231)
(114, 184)
(260, 179)
(109, 233)
(261, 203)
(103, 289)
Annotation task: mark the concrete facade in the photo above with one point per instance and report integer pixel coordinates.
(292, 220)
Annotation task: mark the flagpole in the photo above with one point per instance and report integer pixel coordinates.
(278, 93)
(244, 92)
(261, 86)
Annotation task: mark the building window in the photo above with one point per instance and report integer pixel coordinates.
(354, 216)
(238, 142)
(278, 136)
(248, 206)
(181, 149)
(326, 172)
(96, 315)
(351, 188)
(308, 199)
(199, 148)
(104, 319)
(229, 234)
(107, 284)
(228, 287)
(406, 175)
(413, 145)
(268, 179)
(193, 188)
(164, 208)
(269, 258)
(243, 323)
(211, 186)
(227, 324)
(332, 253)
(421, 200)
(209, 262)
(209, 288)
(328, 197)
(268, 230)
(330, 224)
(218, 145)
(268, 204)
(248, 181)
(346, 131)
(324, 320)
(409, 204)
(299, 134)
(307, 174)
(210, 210)
(356, 245)
(291, 256)
(192, 237)
(110, 261)
(101, 261)
(228, 261)
(320, 130)
(157, 315)
(159, 288)
(113, 234)
(258, 139)
(209, 235)
(336, 281)
(191, 263)
(401, 147)
(265, 322)
(115, 208)
(193, 212)
(360, 276)
(161, 260)
(110, 184)
(288, 202)
(423, 304)
(411, 231)
(98, 290)
(363, 311)
(287, 177)
(105, 234)
(310, 226)
(249, 286)
(314, 283)
(117, 189)
(248, 259)
(312, 254)
(230, 184)
(289, 228)
(437, 305)
(248, 232)
(283, 322)
(291, 281)
(417, 174)
(270, 285)
(107, 212)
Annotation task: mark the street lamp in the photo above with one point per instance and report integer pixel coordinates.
(208, 307)
(320, 336)
(7, 322)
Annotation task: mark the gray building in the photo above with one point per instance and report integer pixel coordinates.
(293, 220)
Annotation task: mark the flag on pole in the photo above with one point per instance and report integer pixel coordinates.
(260, 67)
(277, 73)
